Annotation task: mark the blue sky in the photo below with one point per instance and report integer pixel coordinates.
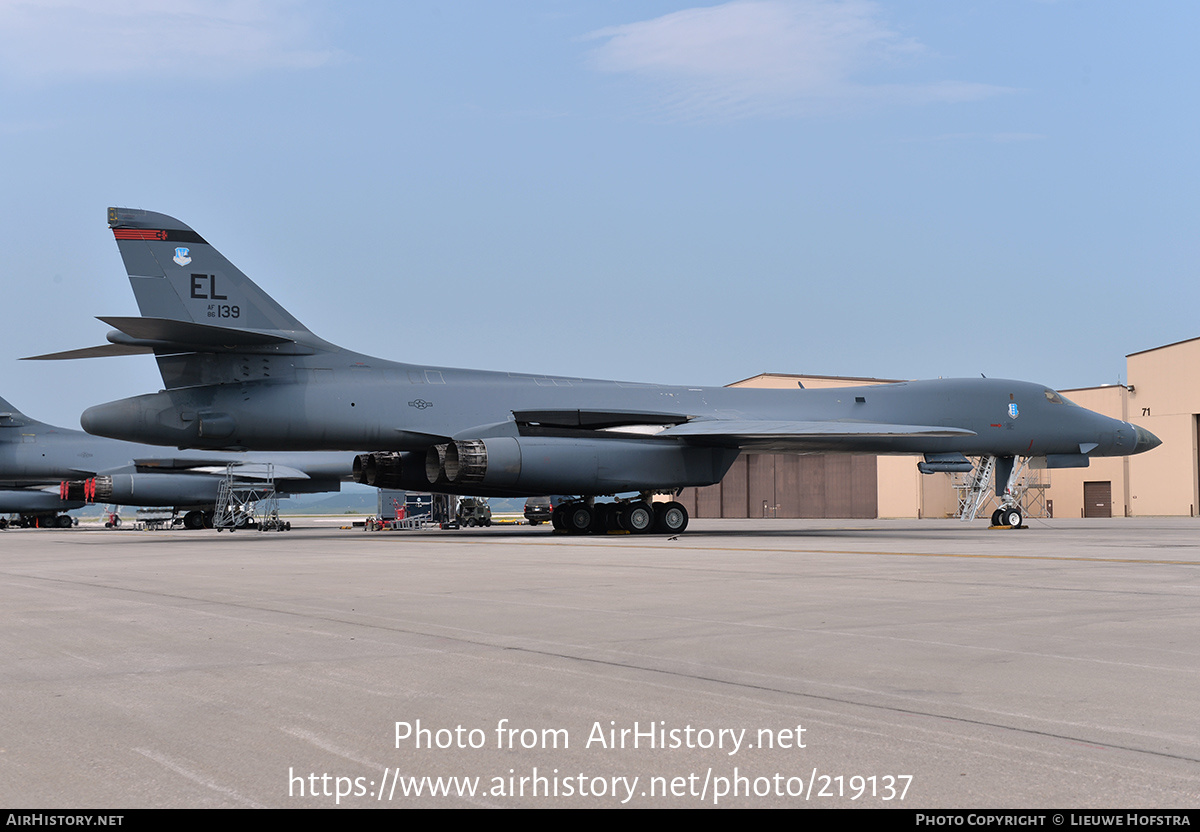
(653, 191)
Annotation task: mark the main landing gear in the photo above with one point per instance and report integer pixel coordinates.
(637, 516)
(39, 521)
(198, 520)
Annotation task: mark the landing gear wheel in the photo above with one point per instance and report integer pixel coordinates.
(558, 517)
(193, 520)
(1011, 517)
(996, 516)
(607, 517)
(579, 517)
(637, 517)
(64, 522)
(670, 518)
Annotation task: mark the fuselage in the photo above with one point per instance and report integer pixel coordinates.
(344, 400)
(240, 372)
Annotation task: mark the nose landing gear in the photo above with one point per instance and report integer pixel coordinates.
(1008, 516)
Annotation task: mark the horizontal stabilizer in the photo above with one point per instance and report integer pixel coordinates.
(102, 351)
(192, 335)
(137, 336)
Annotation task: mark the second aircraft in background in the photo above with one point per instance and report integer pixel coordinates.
(47, 470)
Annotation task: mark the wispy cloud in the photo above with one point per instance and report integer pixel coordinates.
(763, 57)
(130, 40)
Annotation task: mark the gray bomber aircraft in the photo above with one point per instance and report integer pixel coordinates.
(46, 470)
(240, 372)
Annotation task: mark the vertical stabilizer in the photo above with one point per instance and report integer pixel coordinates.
(177, 275)
(6, 407)
(10, 417)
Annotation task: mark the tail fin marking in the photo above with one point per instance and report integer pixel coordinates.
(175, 273)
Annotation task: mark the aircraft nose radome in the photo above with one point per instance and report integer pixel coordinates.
(1145, 440)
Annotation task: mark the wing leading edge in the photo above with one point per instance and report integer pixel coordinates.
(805, 436)
(756, 428)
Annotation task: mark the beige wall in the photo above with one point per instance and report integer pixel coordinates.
(898, 487)
(1164, 481)
(1166, 382)
(1163, 397)
(1066, 484)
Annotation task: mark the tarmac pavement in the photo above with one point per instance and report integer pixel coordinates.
(915, 664)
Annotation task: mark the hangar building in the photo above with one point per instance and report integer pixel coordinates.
(1162, 395)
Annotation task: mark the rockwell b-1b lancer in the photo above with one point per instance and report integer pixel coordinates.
(240, 372)
(46, 470)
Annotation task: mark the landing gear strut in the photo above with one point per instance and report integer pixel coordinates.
(1009, 514)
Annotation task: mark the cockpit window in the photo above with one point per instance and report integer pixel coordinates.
(1057, 398)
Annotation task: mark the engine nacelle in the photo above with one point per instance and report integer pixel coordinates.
(435, 464)
(561, 465)
(403, 470)
(146, 489)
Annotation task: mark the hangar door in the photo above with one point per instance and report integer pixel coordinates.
(787, 485)
(1097, 499)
